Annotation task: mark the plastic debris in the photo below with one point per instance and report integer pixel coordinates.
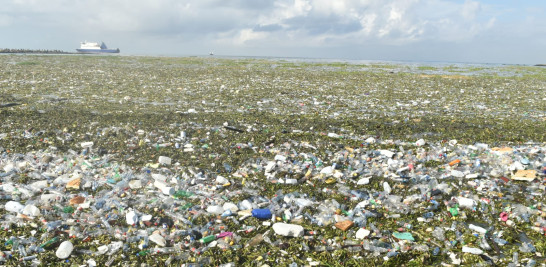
(344, 225)
(308, 174)
(403, 236)
(261, 213)
(472, 250)
(286, 229)
(524, 175)
(64, 250)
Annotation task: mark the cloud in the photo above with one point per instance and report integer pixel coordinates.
(5, 20)
(322, 22)
(470, 9)
(390, 21)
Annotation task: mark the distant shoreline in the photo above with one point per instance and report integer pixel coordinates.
(32, 51)
(60, 52)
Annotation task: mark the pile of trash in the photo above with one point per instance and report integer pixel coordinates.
(122, 161)
(380, 201)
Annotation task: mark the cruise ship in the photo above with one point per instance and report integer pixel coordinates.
(90, 47)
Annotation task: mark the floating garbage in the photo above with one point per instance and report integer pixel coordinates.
(64, 250)
(271, 169)
(286, 229)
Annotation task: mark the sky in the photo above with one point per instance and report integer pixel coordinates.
(472, 31)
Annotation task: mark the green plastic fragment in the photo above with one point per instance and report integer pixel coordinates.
(182, 194)
(404, 236)
(50, 242)
(207, 239)
(68, 209)
(454, 210)
(143, 253)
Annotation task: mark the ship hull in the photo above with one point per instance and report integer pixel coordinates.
(97, 51)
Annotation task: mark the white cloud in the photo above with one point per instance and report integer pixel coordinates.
(398, 21)
(246, 35)
(368, 23)
(470, 9)
(5, 20)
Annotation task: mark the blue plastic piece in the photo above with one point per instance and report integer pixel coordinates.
(261, 213)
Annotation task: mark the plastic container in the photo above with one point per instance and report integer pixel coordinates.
(262, 214)
(64, 250)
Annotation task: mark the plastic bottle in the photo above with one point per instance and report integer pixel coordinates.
(472, 250)
(478, 229)
(207, 239)
(50, 242)
(64, 250)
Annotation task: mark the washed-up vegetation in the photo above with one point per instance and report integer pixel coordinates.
(272, 128)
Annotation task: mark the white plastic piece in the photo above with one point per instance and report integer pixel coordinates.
(291, 181)
(270, 166)
(386, 153)
(164, 160)
(215, 210)
(362, 233)
(39, 185)
(363, 181)
(64, 250)
(327, 170)
(165, 189)
(454, 259)
(86, 144)
(158, 239)
(135, 184)
(475, 251)
(102, 249)
(221, 180)
(14, 206)
(387, 188)
(457, 174)
(286, 229)
(466, 202)
(230, 206)
(31, 210)
(303, 202)
(245, 205)
(9, 167)
(478, 229)
(131, 217)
